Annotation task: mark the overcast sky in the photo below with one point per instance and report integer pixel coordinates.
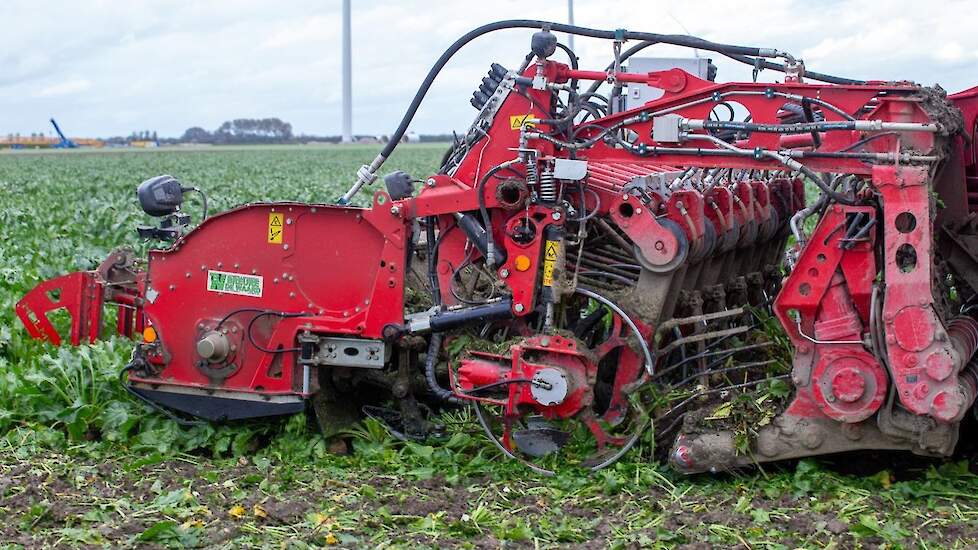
(112, 67)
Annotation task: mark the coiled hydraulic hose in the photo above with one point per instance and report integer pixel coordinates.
(430, 360)
(367, 174)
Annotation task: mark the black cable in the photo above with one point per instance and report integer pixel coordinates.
(498, 383)
(282, 314)
(203, 198)
(237, 311)
(152, 404)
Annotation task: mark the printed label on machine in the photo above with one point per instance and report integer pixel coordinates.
(551, 251)
(235, 283)
(275, 228)
(517, 121)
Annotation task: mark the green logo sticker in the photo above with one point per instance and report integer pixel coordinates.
(234, 283)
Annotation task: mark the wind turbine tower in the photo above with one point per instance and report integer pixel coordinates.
(347, 76)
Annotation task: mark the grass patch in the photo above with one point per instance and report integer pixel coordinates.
(81, 464)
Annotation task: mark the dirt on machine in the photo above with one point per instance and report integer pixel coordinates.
(590, 267)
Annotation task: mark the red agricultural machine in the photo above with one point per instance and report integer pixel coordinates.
(584, 268)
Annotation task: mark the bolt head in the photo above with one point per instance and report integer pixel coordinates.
(519, 308)
(430, 182)
(395, 210)
(504, 273)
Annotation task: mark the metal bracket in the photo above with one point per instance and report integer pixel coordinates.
(343, 352)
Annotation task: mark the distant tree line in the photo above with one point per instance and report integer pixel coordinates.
(255, 131)
(242, 130)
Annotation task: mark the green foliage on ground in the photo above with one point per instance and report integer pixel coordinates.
(82, 464)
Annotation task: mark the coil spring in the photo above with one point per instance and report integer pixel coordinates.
(531, 172)
(548, 187)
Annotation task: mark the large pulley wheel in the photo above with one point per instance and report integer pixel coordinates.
(588, 372)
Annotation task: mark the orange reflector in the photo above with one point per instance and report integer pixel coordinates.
(521, 263)
(149, 335)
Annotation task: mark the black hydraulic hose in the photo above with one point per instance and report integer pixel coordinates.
(821, 77)
(826, 189)
(570, 54)
(674, 39)
(430, 360)
(433, 260)
(806, 108)
(797, 128)
(484, 211)
(739, 53)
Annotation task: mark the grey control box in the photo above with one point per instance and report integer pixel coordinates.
(640, 94)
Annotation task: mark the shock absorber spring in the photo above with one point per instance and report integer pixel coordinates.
(531, 170)
(548, 186)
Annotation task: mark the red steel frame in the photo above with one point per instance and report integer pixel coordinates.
(343, 268)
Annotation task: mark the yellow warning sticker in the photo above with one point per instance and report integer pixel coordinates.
(275, 227)
(553, 248)
(517, 121)
(550, 252)
(548, 272)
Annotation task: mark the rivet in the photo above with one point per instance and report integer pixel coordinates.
(430, 182)
(288, 221)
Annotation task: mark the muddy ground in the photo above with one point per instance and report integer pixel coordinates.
(54, 500)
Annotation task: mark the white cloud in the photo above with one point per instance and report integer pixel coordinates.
(119, 66)
(950, 53)
(68, 87)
